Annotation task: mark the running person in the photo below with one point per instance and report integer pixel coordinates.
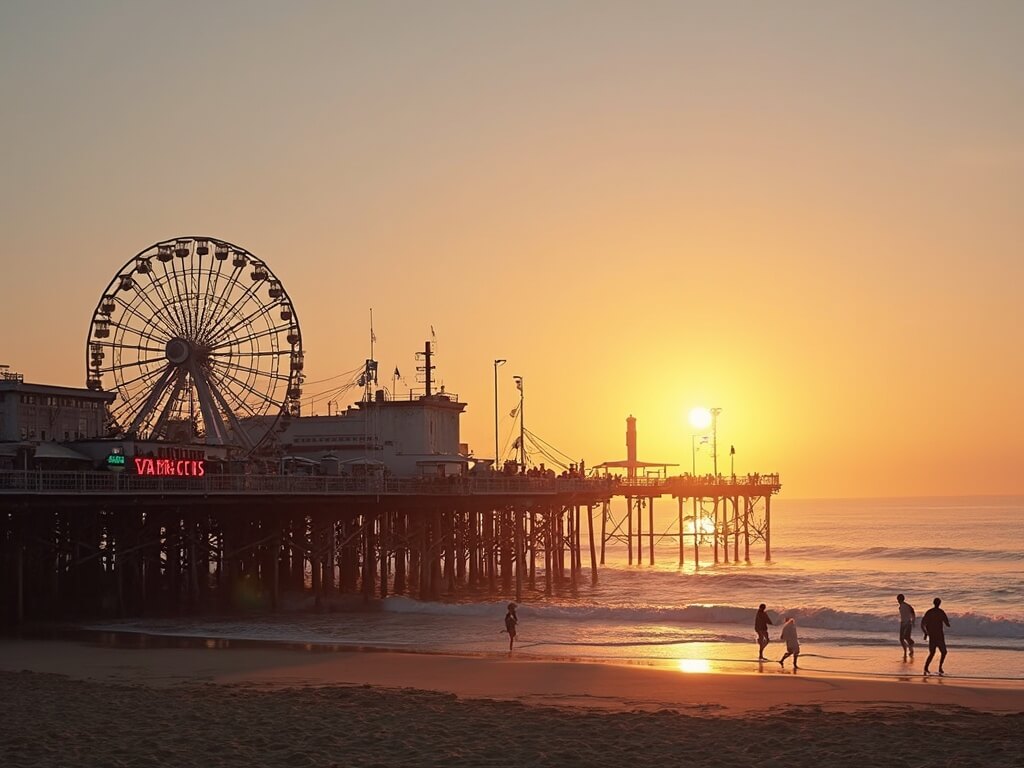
(907, 617)
(510, 625)
(934, 623)
(761, 622)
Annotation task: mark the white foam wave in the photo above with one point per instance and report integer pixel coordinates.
(967, 624)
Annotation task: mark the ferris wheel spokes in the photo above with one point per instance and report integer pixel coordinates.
(196, 334)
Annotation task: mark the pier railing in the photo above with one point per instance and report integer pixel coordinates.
(106, 483)
(687, 484)
(103, 483)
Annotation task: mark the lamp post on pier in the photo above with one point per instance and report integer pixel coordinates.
(496, 364)
(522, 425)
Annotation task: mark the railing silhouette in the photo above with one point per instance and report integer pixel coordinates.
(701, 481)
(106, 483)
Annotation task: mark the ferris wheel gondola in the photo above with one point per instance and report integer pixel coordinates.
(200, 342)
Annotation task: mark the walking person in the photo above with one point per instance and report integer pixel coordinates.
(792, 642)
(934, 623)
(907, 617)
(511, 620)
(761, 622)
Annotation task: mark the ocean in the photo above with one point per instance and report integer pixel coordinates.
(837, 567)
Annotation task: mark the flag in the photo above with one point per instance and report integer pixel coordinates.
(432, 334)
(513, 412)
(515, 444)
(519, 383)
(397, 374)
(732, 450)
(373, 336)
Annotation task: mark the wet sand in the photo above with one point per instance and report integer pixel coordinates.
(72, 703)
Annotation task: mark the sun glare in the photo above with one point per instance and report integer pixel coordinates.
(694, 665)
(700, 418)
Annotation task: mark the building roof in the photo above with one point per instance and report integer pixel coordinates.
(443, 459)
(10, 385)
(47, 450)
(52, 450)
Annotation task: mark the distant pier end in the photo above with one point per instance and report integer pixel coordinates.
(712, 509)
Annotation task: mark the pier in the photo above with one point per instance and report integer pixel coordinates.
(93, 544)
(185, 476)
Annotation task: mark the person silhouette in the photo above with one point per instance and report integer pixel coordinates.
(792, 642)
(511, 620)
(907, 617)
(761, 622)
(934, 623)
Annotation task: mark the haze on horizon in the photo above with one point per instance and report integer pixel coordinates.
(807, 214)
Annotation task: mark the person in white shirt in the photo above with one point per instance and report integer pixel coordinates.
(792, 642)
(907, 617)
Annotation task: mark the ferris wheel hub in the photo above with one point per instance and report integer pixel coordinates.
(178, 350)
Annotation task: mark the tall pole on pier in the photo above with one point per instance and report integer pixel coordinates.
(714, 435)
(522, 426)
(496, 364)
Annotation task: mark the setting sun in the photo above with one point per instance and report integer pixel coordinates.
(700, 418)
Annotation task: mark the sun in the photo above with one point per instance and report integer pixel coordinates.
(700, 418)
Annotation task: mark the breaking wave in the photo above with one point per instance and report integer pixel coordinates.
(965, 624)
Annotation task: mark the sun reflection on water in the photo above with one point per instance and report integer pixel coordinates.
(694, 665)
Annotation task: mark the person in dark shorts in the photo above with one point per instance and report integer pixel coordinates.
(761, 622)
(934, 623)
(511, 620)
(907, 617)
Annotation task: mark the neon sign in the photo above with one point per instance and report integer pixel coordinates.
(170, 467)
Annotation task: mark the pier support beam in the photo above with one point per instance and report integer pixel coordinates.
(593, 551)
(650, 529)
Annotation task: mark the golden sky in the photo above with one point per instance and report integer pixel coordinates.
(808, 214)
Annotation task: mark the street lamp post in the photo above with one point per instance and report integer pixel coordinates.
(522, 425)
(693, 455)
(496, 364)
(714, 436)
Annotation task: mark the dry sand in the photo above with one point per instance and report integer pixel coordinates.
(73, 704)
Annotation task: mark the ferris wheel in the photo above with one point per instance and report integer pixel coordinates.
(200, 342)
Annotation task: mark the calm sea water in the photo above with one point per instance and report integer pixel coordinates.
(837, 567)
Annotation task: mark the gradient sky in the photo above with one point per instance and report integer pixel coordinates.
(806, 213)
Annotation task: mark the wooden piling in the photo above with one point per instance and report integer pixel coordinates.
(593, 551)
(650, 529)
(604, 527)
(629, 528)
(681, 542)
(639, 531)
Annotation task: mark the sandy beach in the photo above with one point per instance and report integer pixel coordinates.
(73, 703)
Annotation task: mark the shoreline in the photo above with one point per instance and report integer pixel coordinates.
(616, 684)
(710, 658)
